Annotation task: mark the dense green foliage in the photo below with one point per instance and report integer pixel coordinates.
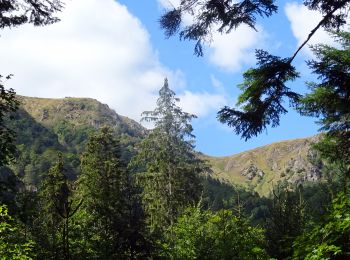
(37, 148)
(57, 208)
(110, 225)
(8, 104)
(12, 246)
(199, 234)
(285, 222)
(330, 238)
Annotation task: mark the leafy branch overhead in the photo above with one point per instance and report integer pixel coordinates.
(263, 91)
(17, 12)
(264, 88)
(227, 15)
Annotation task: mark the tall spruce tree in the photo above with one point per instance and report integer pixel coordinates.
(171, 178)
(286, 220)
(109, 210)
(57, 207)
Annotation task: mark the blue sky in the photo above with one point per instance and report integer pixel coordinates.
(212, 137)
(114, 51)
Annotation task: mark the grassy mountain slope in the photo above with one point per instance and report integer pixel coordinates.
(78, 112)
(46, 127)
(263, 167)
(73, 119)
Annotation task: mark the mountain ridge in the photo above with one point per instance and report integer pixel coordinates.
(72, 120)
(79, 111)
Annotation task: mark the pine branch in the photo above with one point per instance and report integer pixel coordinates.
(313, 31)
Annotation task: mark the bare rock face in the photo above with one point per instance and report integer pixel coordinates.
(45, 115)
(252, 171)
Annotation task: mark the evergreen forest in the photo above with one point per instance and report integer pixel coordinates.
(96, 185)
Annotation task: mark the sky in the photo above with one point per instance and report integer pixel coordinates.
(115, 52)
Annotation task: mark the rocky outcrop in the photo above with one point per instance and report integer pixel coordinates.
(252, 171)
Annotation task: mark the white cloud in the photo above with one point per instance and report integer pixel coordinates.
(227, 51)
(98, 50)
(108, 57)
(230, 51)
(302, 22)
(202, 103)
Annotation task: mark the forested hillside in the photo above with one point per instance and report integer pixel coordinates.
(79, 181)
(55, 136)
(45, 127)
(78, 161)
